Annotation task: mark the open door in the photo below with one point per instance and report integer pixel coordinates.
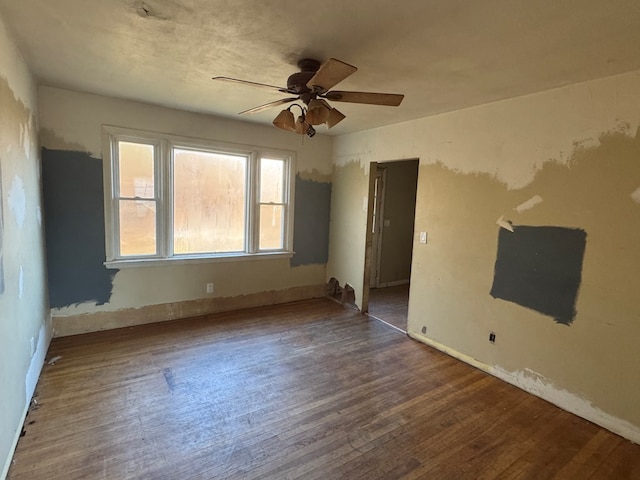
(390, 237)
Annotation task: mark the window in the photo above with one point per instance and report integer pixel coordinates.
(169, 198)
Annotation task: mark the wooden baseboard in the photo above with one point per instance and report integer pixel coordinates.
(93, 322)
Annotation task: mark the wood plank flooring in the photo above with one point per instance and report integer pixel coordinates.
(390, 304)
(308, 390)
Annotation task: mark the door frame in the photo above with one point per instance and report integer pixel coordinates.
(368, 249)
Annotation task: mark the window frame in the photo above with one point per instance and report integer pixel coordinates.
(163, 189)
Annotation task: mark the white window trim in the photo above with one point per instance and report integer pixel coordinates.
(163, 184)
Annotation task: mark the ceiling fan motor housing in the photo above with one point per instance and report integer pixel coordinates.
(297, 83)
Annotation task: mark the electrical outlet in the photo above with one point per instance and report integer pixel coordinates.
(209, 287)
(424, 329)
(492, 337)
(423, 237)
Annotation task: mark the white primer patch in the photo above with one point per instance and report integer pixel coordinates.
(17, 201)
(532, 202)
(636, 195)
(21, 283)
(25, 138)
(538, 385)
(35, 367)
(504, 223)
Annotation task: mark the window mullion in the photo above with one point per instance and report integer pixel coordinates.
(165, 200)
(253, 213)
(115, 198)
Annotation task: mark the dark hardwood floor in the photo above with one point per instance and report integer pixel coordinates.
(390, 304)
(308, 390)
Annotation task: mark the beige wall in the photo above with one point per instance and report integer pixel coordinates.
(72, 121)
(24, 317)
(578, 149)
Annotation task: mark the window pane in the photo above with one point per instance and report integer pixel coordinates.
(209, 202)
(271, 227)
(137, 227)
(136, 170)
(271, 178)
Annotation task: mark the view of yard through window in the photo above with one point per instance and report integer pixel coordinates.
(209, 195)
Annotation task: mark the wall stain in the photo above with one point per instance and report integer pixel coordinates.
(311, 222)
(74, 226)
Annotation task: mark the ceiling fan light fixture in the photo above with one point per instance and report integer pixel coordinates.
(334, 117)
(301, 125)
(285, 121)
(318, 112)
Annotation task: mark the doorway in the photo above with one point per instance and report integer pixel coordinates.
(390, 235)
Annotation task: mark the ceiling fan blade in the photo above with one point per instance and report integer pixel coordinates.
(266, 106)
(329, 74)
(335, 116)
(251, 84)
(388, 99)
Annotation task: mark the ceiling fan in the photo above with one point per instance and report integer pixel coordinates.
(312, 85)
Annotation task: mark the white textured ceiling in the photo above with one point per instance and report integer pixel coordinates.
(442, 54)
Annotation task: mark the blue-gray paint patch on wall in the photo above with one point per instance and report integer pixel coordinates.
(311, 222)
(540, 268)
(74, 228)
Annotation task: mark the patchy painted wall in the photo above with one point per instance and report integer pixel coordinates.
(75, 232)
(348, 225)
(71, 131)
(569, 157)
(311, 222)
(24, 314)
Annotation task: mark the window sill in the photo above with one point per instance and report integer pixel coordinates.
(190, 260)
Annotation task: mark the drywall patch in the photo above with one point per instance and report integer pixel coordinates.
(74, 226)
(311, 222)
(540, 268)
(17, 201)
(636, 195)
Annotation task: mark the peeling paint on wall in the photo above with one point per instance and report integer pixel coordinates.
(311, 222)
(75, 232)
